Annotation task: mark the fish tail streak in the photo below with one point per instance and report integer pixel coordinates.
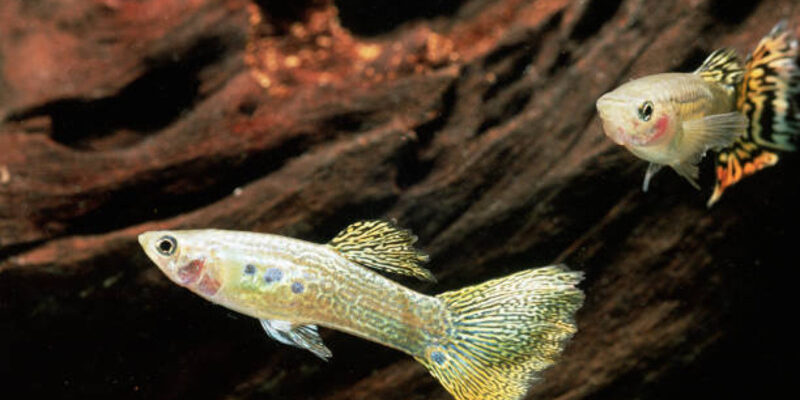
(504, 332)
(769, 96)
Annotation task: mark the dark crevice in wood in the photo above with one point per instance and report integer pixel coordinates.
(733, 11)
(512, 73)
(595, 14)
(514, 59)
(371, 18)
(349, 121)
(149, 197)
(515, 103)
(412, 168)
(562, 60)
(282, 14)
(151, 102)
(692, 61)
(426, 131)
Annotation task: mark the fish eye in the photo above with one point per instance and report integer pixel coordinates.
(166, 245)
(646, 110)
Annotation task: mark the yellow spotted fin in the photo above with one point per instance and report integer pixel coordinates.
(769, 96)
(383, 246)
(504, 332)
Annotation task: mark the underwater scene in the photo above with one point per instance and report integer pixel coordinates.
(398, 200)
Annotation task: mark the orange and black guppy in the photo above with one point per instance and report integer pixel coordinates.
(488, 341)
(747, 112)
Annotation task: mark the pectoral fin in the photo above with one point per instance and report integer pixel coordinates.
(383, 246)
(302, 336)
(714, 132)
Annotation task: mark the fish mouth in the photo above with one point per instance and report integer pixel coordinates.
(618, 137)
(605, 106)
(615, 133)
(609, 101)
(143, 239)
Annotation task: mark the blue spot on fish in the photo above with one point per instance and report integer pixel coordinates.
(438, 357)
(273, 275)
(297, 287)
(249, 269)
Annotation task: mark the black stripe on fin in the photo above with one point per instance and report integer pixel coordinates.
(723, 66)
(770, 98)
(737, 162)
(771, 91)
(383, 246)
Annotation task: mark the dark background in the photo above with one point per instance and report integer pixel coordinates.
(470, 122)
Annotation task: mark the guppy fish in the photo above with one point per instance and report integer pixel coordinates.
(488, 341)
(745, 113)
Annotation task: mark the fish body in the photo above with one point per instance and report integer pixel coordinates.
(664, 138)
(487, 341)
(303, 283)
(673, 119)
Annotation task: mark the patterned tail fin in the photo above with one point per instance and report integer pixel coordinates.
(504, 332)
(770, 97)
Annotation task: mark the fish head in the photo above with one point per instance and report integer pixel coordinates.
(185, 258)
(634, 115)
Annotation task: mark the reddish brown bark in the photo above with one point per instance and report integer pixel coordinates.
(470, 122)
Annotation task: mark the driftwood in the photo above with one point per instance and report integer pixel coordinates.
(470, 122)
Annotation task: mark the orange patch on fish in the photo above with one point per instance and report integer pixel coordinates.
(190, 272)
(208, 285)
(660, 129)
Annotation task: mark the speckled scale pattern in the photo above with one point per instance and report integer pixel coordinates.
(319, 286)
(381, 245)
(482, 342)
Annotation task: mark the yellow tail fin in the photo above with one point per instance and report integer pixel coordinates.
(504, 332)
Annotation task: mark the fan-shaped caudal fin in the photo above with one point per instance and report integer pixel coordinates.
(504, 332)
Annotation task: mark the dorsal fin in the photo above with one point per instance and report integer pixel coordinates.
(723, 66)
(383, 246)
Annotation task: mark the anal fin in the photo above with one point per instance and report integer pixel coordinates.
(302, 336)
(383, 246)
(741, 160)
(689, 171)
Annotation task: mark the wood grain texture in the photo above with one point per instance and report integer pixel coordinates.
(470, 122)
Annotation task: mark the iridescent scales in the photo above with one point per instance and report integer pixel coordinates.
(488, 341)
